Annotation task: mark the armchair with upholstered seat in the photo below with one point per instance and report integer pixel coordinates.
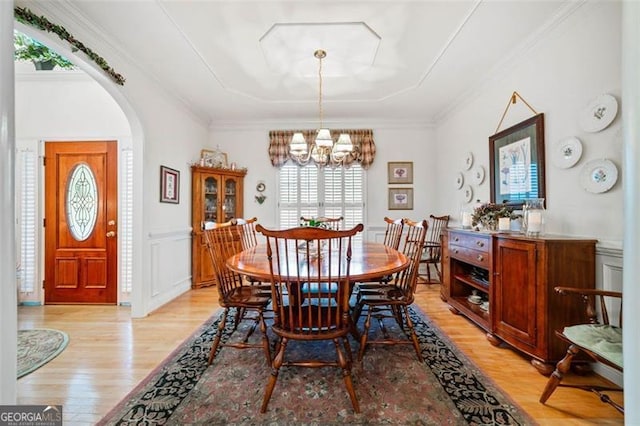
(598, 339)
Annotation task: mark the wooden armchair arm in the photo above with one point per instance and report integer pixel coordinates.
(589, 296)
(587, 291)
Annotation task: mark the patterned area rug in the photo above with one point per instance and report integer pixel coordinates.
(391, 385)
(37, 347)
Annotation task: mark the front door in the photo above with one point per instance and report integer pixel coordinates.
(81, 214)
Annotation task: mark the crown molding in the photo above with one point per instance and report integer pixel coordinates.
(305, 124)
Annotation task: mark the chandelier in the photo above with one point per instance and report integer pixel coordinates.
(323, 151)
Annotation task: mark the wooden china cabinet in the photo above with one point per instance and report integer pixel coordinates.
(514, 277)
(217, 196)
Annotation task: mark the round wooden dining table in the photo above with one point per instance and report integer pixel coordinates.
(369, 261)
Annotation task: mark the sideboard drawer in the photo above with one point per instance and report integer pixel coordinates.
(475, 242)
(474, 257)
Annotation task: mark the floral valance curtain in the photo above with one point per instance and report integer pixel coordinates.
(364, 149)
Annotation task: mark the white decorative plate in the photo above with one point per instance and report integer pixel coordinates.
(566, 152)
(599, 113)
(459, 180)
(598, 176)
(477, 176)
(468, 161)
(468, 193)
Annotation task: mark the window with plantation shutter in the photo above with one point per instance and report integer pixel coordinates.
(311, 192)
(125, 230)
(27, 219)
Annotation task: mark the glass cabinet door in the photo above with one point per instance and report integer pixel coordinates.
(230, 199)
(210, 199)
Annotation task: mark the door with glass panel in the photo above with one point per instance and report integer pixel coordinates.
(81, 213)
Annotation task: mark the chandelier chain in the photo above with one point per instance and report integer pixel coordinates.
(320, 56)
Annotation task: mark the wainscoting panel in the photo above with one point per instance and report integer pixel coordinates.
(170, 263)
(609, 277)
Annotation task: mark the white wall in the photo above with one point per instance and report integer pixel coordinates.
(249, 148)
(559, 76)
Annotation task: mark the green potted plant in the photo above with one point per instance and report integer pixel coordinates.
(28, 49)
(488, 214)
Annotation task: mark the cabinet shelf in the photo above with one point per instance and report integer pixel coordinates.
(473, 282)
(471, 311)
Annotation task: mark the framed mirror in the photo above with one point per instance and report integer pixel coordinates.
(516, 162)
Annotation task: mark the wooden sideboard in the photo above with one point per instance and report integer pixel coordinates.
(516, 275)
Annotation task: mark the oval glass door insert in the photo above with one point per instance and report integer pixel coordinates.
(82, 202)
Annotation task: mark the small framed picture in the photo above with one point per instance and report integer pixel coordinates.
(400, 198)
(400, 172)
(169, 185)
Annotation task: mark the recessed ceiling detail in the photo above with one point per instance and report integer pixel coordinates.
(351, 48)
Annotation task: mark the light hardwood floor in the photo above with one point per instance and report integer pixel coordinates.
(108, 354)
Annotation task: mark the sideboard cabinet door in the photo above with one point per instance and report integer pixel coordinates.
(515, 297)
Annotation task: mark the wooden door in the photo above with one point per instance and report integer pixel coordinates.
(81, 212)
(514, 305)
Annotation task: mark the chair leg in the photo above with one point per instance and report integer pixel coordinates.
(346, 375)
(275, 369)
(238, 316)
(435, 265)
(216, 342)
(365, 334)
(428, 273)
(347, 348)
(265, 339)
(561, 369)
(414, 338)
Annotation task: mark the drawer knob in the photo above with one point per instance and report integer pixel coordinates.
(480, 258)
(456, 239)
(480, 243)
(455, 251)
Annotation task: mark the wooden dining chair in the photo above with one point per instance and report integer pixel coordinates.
(600, 340)
(432, 252)
(247, 231)
(297, 258)
(334, 223)
(248, 301)
(393, 300)
(392, 237)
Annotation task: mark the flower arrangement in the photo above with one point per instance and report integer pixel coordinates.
(313, 222)
(488, 214)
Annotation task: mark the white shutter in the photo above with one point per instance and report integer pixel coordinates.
(125, 230)
(311, 192)
(27, 216)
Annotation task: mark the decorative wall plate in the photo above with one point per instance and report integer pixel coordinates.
(468, 161)
(468, 193)
(459, 180)
(599, 113)
(566, 152)
(477, 176)
(598, 176)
